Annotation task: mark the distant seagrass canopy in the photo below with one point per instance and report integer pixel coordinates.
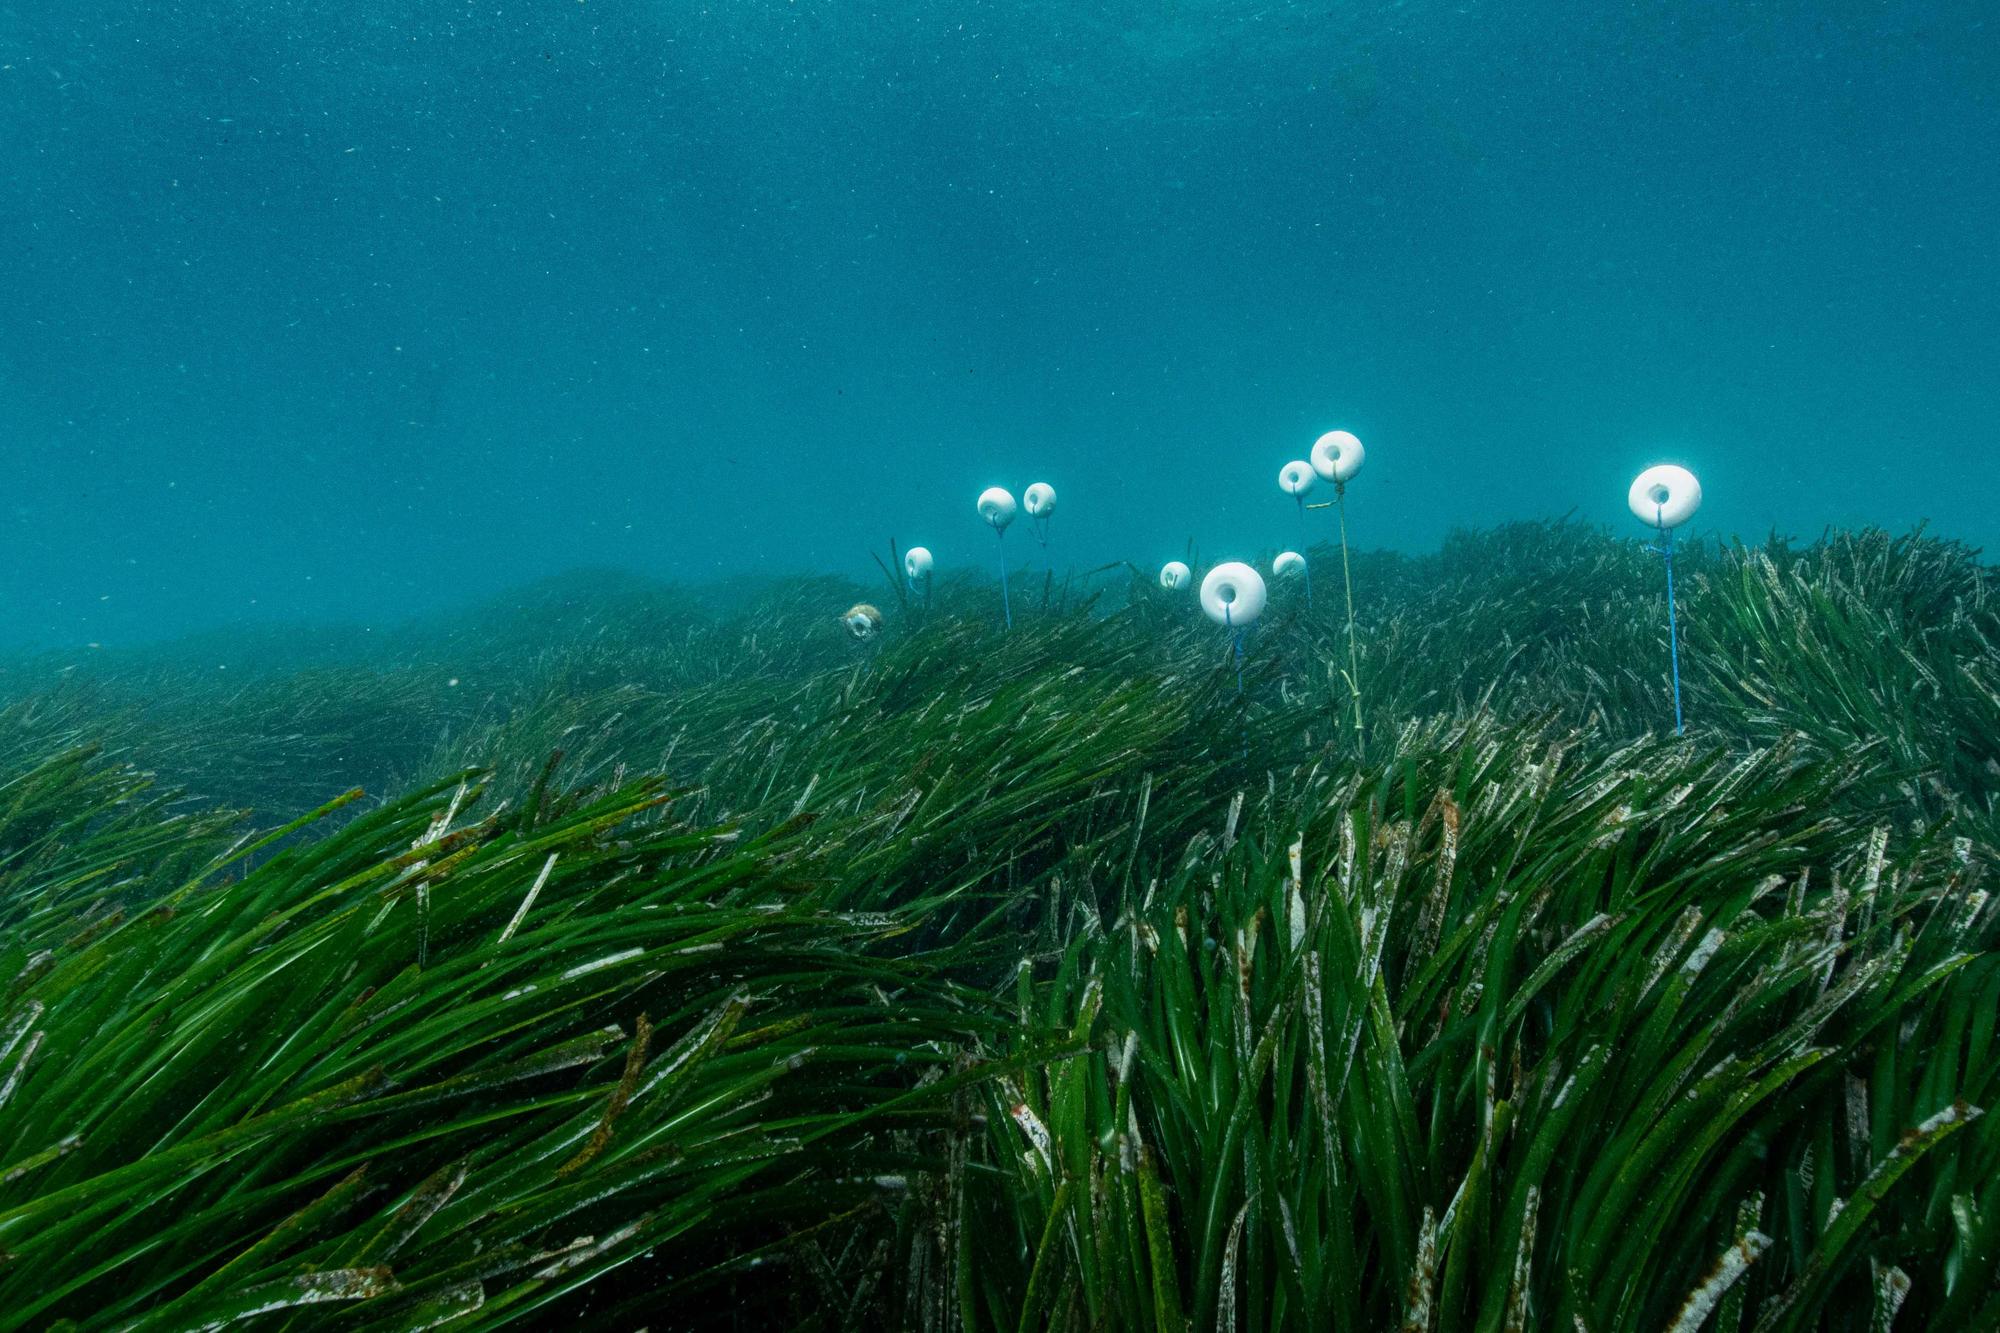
(996, 506)
(1174, 576)
(1665, 496)
(1296, 477)
(1233, 594)
(1337, 455)
(1040, 500)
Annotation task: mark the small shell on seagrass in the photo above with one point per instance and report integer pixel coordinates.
(862, 620)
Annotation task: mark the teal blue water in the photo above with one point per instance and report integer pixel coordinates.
(350, 311)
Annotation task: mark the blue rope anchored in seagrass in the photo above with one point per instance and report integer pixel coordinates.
(1305, 548)
(1236, 647)
(1006, 604)
(1665, 550)
(1236, 653)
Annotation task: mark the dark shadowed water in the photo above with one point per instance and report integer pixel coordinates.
(349, 311)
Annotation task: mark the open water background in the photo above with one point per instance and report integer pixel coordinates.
(353, 312)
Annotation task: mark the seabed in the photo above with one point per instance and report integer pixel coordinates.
(679, 960)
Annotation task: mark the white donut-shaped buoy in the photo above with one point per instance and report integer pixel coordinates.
(996, 506)
(917, 563)
(1233, 594)
(1288, 564)
(1665, 496)
(1039, 500)
(1174, 576)
(1296, 478)
(1337, 455)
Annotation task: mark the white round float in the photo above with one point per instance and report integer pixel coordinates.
(1288, 565)
(1233, 594)
(1664, 496)
(1039, 500)
(1296, 478)
(1337, 455)
(996, 506)
(1174, 576)
(917, 563)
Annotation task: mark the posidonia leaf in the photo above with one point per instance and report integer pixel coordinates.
(1800, 1301)
(1274, 999)
(330, 1286)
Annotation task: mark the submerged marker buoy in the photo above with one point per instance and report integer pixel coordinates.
(1040, 500)
(1288, 564)
(1664, 496)
(917, 569)
(1233, 594)
(1174, 576)
(1337, 455)
(1296, 478)
(996, 506)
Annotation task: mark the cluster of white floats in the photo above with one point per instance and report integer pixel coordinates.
(997, 507)
(1233, 593)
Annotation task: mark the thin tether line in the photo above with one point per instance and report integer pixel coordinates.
(1673, 628)
(1006, 603)
(1353, 646)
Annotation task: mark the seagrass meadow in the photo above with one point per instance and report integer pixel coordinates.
(619, 956)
